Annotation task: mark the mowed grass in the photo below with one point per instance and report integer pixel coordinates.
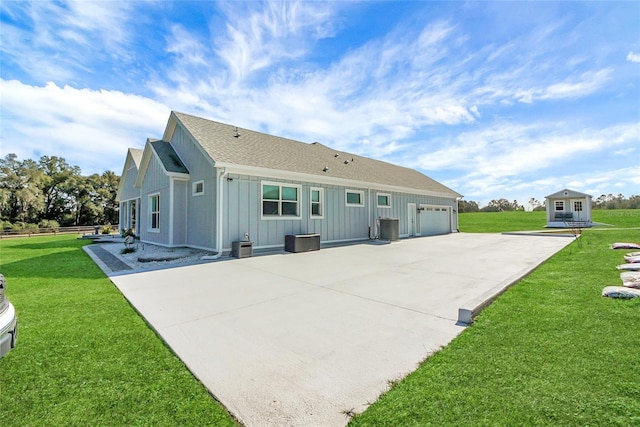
(550, 351)
(497, 222)
(84, 356)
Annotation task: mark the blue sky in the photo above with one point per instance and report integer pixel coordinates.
(493, 99)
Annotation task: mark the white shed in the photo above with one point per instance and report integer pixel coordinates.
(568, 208)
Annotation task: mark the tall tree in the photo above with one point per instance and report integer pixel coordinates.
(20, 196)
(56, 198)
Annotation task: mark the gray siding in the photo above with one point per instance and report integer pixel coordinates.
(242, 213)
(128, 190)
(199, 211)
(180, 212)
(155, 181)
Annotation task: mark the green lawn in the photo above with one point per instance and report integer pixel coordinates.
(550, 351)
(84, 356)
(496, 222)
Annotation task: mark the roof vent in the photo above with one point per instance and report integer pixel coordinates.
(346, 162)
(237, 135)
(325, 169)
(336, 155)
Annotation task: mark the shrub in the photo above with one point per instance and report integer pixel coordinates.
(106, 229)
(50, 224)
(128, 232)
(128, 250)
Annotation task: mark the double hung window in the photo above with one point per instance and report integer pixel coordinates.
(317, 202)
(154, 212)
(280, 200)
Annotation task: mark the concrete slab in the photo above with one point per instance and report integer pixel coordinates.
(300, 339)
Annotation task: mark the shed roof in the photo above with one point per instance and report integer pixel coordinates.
(563, 194)
(228, 145)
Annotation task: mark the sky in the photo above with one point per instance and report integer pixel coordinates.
(512, 100)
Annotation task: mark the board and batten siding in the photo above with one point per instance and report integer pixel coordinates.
(155, 182)
(200, 209)
(242, 212)
(400, 205)
(129, 192)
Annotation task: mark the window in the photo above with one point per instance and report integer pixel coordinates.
(384, 200)
(317, 202)
(280, 200)
(577, 206)
(197, 188)
(560, 205)
(154, 212)
(354, 198)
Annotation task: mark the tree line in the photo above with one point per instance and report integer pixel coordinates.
(608, 201)
(50, 193)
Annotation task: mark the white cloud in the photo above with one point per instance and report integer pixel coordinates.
(633, 57)
(507, 149)
(64, 38)
(92, 127)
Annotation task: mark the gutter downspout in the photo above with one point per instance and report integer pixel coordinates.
(222, 172)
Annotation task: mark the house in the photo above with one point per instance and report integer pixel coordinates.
(568, 208)
(207, 184)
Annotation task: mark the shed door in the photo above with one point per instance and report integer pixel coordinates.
(434, 220)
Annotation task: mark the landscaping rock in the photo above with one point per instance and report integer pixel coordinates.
(620, 292)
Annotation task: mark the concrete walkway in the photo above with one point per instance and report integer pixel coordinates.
(300, 339)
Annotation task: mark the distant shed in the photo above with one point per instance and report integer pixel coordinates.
(568, 208)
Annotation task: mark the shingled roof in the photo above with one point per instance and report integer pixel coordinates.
(229, 145)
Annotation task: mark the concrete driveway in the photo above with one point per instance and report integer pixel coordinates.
(300, 339)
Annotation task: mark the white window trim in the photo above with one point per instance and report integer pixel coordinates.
(194, 187)
(347, 191)
(149, 225)
(555, 205)
(280, 217)
(388, 198)
(311, 215)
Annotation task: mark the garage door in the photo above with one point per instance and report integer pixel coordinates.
(434, 220)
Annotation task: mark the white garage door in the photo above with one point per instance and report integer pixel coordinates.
(435, 220)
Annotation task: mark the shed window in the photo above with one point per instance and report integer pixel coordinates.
(560, 205)
(280, 201)
(197, 188)
(384, 200)
(154, 212)
(317, 202)
(577, 206)
(354, 198)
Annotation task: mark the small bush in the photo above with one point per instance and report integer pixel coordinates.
(106, 229)
(127, 250)
(50, 224)
(128, 232)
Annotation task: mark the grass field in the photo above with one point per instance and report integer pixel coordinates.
(496, 222)
(84, 356)
(550, 351)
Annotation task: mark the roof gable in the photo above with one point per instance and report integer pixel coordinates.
(228, 145)
(563, 194)
(131, 166)
(164, 153)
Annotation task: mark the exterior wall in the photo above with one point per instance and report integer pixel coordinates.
(180, 213)
(199, 211)
(585, 215)
(242, 213)
(155, 182)
(129, 191)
